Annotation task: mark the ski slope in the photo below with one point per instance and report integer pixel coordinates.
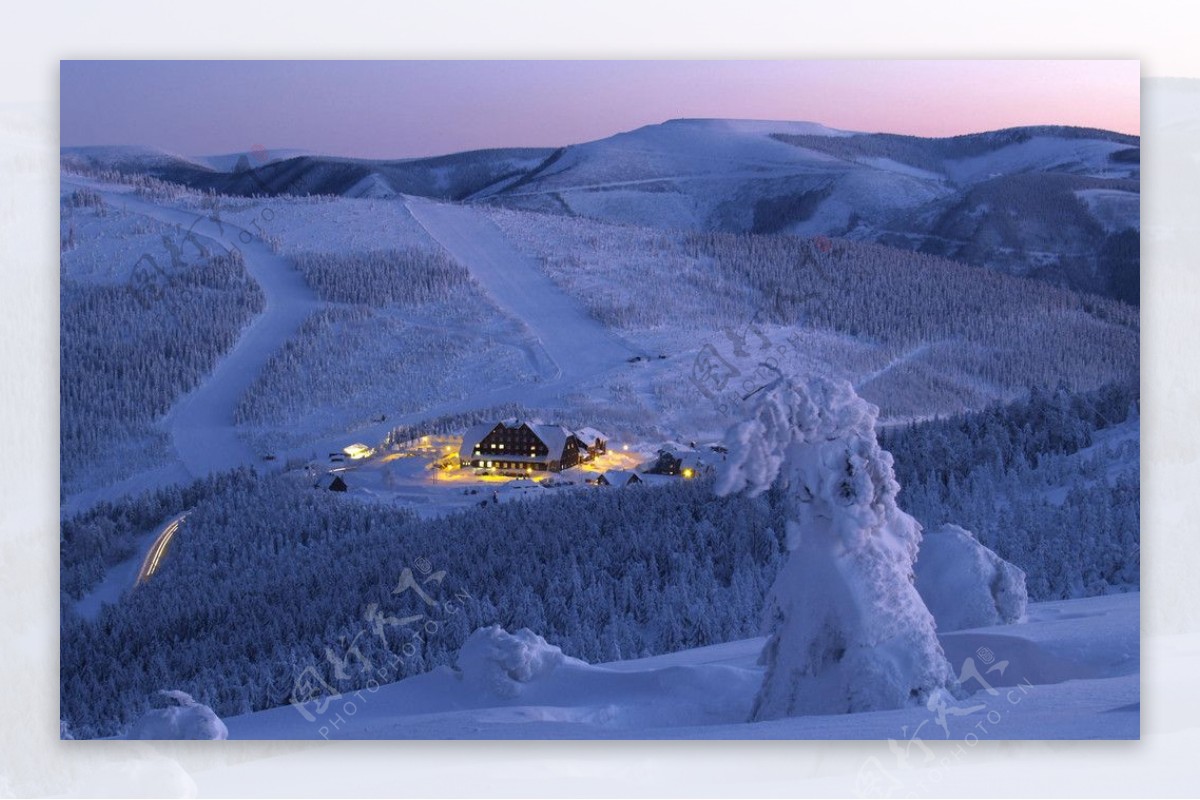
(1072, 671)
(577, 344)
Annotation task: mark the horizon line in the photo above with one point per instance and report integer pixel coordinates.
(303, 152)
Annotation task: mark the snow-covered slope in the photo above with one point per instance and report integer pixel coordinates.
(1070, 672)
(716, 175)
(578, 344)
(1005, 199)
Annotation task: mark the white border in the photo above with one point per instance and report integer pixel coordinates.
(35, 36)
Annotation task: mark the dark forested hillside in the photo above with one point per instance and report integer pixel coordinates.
(270, 575)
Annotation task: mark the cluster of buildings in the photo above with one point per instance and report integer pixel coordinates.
(514, 447)
(521, 448)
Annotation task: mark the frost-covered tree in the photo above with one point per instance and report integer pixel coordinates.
(847, 630)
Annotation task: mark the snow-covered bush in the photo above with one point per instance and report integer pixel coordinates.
(499, 663)
(964, 584)
(183, 718)
(847, 630)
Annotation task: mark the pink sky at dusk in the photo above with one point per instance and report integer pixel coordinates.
(399, 109)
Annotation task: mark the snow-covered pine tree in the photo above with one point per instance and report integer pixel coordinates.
(847, 630)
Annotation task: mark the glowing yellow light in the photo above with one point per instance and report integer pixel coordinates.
(687, 473)
(356, 451)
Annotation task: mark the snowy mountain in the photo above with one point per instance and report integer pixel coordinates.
(130, 159)
(451, 177)
(248, 159)
(1050, 202)
(1044, 202)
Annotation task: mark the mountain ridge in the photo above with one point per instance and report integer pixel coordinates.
(1053, 202)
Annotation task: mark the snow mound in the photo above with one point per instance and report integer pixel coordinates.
(848, 630)
(966, 585)
(501, 663)
(186, 719)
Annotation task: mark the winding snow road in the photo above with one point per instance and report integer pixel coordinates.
(201, 423)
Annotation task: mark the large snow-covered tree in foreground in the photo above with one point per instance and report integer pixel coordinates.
(848, 631)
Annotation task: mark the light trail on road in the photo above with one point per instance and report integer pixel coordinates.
(159, 548)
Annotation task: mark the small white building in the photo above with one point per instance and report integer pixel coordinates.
(595, 442)
(357, 451)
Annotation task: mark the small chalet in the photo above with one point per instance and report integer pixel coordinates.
(332, 482)
(592, 439)
(523, 447)
(685, 463)
(618, 477)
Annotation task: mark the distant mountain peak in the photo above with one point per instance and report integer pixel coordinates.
(758, 126)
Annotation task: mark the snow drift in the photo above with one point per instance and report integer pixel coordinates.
(500, 663)
(966, 585)
(184, 719)
(848, 631)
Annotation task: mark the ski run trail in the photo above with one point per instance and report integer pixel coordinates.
(579, 345)
(201, 423)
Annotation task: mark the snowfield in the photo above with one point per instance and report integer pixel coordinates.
(1071, 673)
